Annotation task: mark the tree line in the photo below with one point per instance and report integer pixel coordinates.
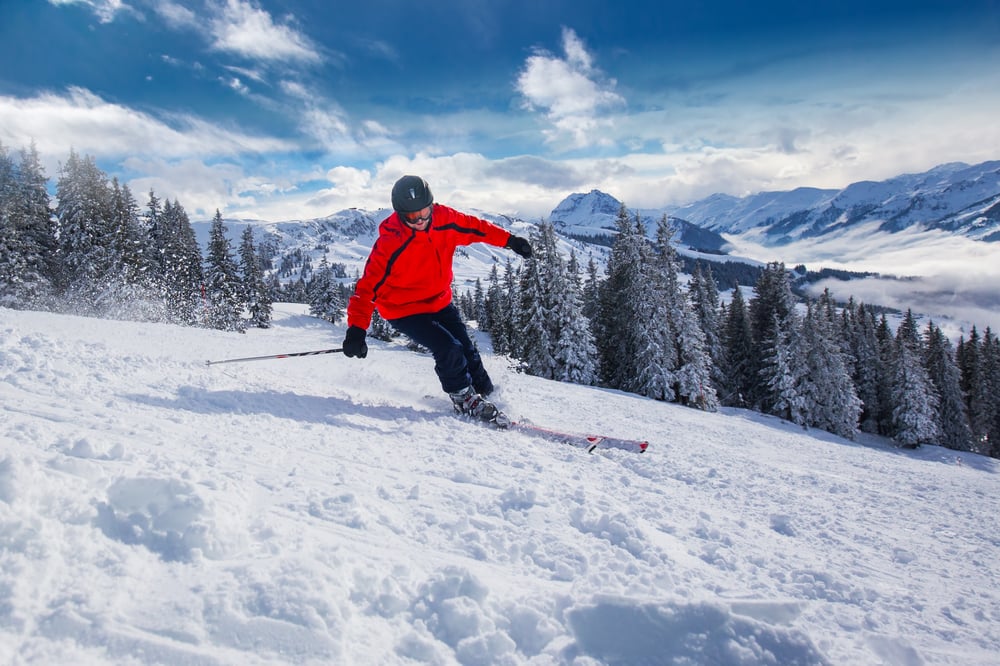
(98, 253)
(636, 328)
(819, 364)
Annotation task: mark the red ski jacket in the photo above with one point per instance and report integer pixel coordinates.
(410, 272)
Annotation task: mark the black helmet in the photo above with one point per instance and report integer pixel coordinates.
(410, 194)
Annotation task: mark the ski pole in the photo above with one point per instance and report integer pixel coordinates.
(261, 358)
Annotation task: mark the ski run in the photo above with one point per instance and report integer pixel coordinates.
(325, 510)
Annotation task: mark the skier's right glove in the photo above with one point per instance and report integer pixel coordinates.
(519, 245)
(354, 342)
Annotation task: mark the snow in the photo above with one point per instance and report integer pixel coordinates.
(322, 510)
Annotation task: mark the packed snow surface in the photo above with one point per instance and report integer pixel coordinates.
(326, 510)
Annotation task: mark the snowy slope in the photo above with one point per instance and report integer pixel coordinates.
(327, 510)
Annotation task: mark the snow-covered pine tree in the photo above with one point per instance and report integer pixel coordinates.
(782, 370)
(693, 377)
(704, 295)
(479, 305)
(535, 344)
(617, 327)
(914, 413)
(952, 417)
(573, 344)
(183, 273)
(737, 341)
(325, 299)
(256, 293)
(36, 228)
(866, 360)
(224, 308)
(831, 403)
(127, 292)
(83, 212)
(497, 313)
(591, 292)
(655, 307)
(689, 361)
(773, 323)
(984, 388)
(156, 241)
(12, 263)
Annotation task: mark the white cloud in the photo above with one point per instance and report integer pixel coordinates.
(175, 15)
(570, 92)
(245, 29)
(85, 122)
(106, 10)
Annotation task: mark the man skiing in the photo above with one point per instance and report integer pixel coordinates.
(408, 277)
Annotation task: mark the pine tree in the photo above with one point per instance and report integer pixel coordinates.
(573, 344)
(945, 376)
(222, 282)
(782, 370)
(704, 295)
(256, 294)
(534, 345)
(915, 403)
(85, 235)
(129, 291)
(36, 227)
(859, 333)
(975, 386)
(771, 313)
(616, 327)
(497, 313)
(688, 361)
(590, 296)
(325, 299)
(738, 364)
(888, 355)
(479, 305)
(991, 373)
(693, 377)
(183, 275)
(12, 264)
(773, 323)
(826, 386)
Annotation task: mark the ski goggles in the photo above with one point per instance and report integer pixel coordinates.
(417, 217)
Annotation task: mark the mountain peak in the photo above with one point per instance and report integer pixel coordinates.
(592, 203)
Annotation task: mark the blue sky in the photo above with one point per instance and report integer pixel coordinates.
(292, 109)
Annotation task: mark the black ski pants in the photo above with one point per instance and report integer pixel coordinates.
(456, 358)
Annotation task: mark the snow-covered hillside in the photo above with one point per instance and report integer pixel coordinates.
(325, 510)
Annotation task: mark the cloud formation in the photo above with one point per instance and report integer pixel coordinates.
(570, 92)
(245, 29)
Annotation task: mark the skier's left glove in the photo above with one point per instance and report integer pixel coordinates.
(520, 245)
(354, 342)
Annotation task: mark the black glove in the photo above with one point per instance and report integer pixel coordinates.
(520, 245)
(354, 342)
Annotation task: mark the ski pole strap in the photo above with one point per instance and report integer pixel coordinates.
(289, 355)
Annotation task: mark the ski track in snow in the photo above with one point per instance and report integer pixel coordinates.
(331, 510)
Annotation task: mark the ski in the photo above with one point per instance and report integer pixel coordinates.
(588, 442)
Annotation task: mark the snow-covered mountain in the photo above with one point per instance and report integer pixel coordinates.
(955, 198)
(592, 216)
(325, 510)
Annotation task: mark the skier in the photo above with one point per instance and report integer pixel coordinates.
(408, 277)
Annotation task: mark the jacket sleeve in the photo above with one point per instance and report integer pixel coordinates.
(362, 303)
(469, 229)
